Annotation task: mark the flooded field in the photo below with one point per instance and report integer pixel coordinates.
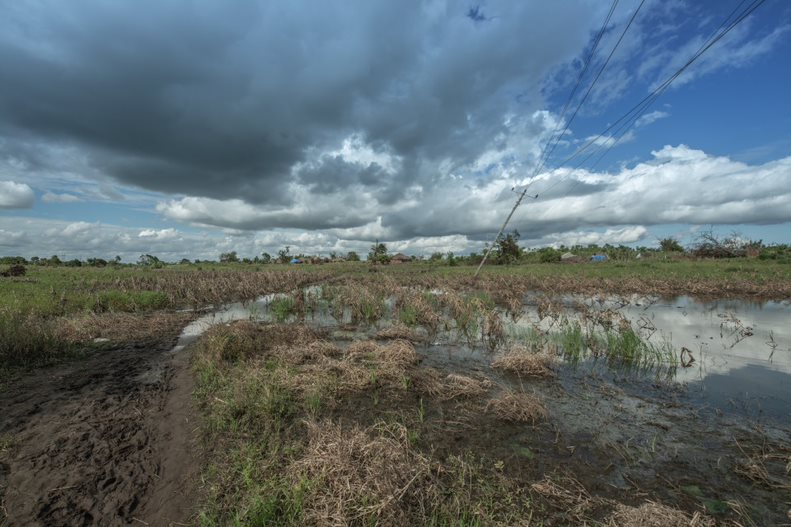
(590, 404)
(730, 355)
(438, 402)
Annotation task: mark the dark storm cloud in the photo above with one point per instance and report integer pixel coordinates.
(222, 100)
(333, 173)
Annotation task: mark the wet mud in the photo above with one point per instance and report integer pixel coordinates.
(102, 441)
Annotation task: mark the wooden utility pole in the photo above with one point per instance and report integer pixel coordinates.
(502, 229)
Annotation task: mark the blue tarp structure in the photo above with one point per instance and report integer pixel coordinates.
(599, 258)
(296, 260)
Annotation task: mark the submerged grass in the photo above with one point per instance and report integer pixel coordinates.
(301, 430)
(282, 308)
(620, 347)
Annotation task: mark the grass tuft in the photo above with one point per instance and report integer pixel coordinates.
(518, 408)
(652, 514)
(367, 476)
(520, 361)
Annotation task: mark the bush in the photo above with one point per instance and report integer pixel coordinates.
(549, 255)
(507, 249)
(15, 270)
(670, 245)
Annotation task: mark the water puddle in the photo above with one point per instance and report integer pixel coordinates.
(733, 355)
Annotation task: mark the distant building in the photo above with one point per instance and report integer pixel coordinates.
(400, 258)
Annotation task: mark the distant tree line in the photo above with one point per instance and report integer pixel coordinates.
(505, 252)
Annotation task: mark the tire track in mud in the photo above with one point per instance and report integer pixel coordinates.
(105, 441)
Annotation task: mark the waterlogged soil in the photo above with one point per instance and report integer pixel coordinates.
(106, 440)
(625, 438)
(714, 437)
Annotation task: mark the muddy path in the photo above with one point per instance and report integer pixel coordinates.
(102, 441)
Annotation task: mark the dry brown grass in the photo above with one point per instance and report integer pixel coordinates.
(244, 340)
(568, 495)
(306, 352)
(214, 287)
(523, 362)
(769, 466)
(362, 349)
(365, 476)
(652, 514)
(493, 330)
(120, 327)
(398, 354)
(518, 407)
(451, 386)
(399, 332)
(362, 365)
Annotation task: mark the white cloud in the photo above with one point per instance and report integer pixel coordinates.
(11, 238)
(613, 236)
(77, 228)
(678, 184)
(15, 195)
(51, 197)
(651, 117)
(157, 235)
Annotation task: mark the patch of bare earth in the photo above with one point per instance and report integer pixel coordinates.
(102, 441)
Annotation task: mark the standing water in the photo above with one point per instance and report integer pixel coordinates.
(733, 355)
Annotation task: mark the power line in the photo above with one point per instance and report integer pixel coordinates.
(630, 118)
(606, 62)
(588, 60)
(626, 121)
(634, 113)
(624, 128)
(590, 88)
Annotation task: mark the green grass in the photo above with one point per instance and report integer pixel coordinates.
(408, 315)
(59, 290)
(26, 341)
(621, 349)
(282, 308)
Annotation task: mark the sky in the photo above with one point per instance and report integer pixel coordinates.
(192, 128)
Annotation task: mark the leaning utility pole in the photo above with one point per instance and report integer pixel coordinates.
(505, 224)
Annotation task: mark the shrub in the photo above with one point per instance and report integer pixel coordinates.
(549, 255)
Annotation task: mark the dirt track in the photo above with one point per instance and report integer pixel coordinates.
(103, 441)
